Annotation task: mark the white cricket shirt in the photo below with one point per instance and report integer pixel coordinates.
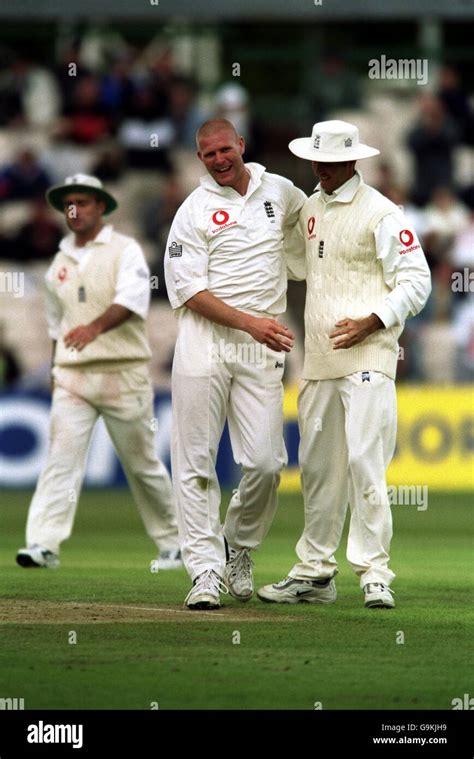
(232, 244)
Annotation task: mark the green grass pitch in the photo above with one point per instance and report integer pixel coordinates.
(136, 648)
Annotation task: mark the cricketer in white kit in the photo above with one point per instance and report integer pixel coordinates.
(226, 277)
(365, 273)
(97, 300)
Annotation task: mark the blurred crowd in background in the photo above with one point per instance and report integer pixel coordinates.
(129, 116)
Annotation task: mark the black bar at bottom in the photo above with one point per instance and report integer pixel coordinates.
(151, 733)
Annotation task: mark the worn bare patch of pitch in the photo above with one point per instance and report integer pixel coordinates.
(14, 611)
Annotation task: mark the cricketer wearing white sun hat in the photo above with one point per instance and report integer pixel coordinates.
(97, 300)
(80, 183)
(365, 273)
(332, 142)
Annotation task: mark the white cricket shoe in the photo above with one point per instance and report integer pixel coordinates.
(291, 591)
(238, 573)
(378, 595)
(170, 559)
(37, 556)
(205, 593)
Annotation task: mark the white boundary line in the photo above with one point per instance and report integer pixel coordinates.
(156, 608)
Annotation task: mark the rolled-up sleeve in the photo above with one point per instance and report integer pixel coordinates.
(186, 258)
(54, 311)
(405, 270)
(133, 281)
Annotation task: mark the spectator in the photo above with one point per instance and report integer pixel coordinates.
(85, 121)
(456, 102)
(386, 181)
(24, 178)
(462, 251)
(162, 77)
(415, 216)
(432, 141)
(13, 81)
(39, 238)
(333, 87)
(232, 103)
(463, 330)
(156, 220)
(116, 88)
(5, 244)
(109, 165)
(69, 72)
(145, 137)
(461, 258)
(10, 371)
(184, 114)
(445, 217)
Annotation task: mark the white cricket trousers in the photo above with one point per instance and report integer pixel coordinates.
(348, 434)
(124, 399)
(220, 372)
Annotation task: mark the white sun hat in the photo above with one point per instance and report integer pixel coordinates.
(332, 142)
(80, 183)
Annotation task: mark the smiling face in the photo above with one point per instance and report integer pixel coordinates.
(221, 151)
(333, 175)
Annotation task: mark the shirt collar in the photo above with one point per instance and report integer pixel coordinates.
(256, 171)
(345, 193)
(68, 245)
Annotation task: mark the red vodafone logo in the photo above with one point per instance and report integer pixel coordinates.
(406, 237)
(311, 224)
(220, 217)
(62, 273)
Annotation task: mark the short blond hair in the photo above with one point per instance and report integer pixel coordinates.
(214, 125)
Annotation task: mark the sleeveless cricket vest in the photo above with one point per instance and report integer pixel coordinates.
(85, 291)
(345, 279)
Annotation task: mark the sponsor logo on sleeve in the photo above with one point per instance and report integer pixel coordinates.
(311, 224)
(175, 250)
(62, 274)
(406, 238)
